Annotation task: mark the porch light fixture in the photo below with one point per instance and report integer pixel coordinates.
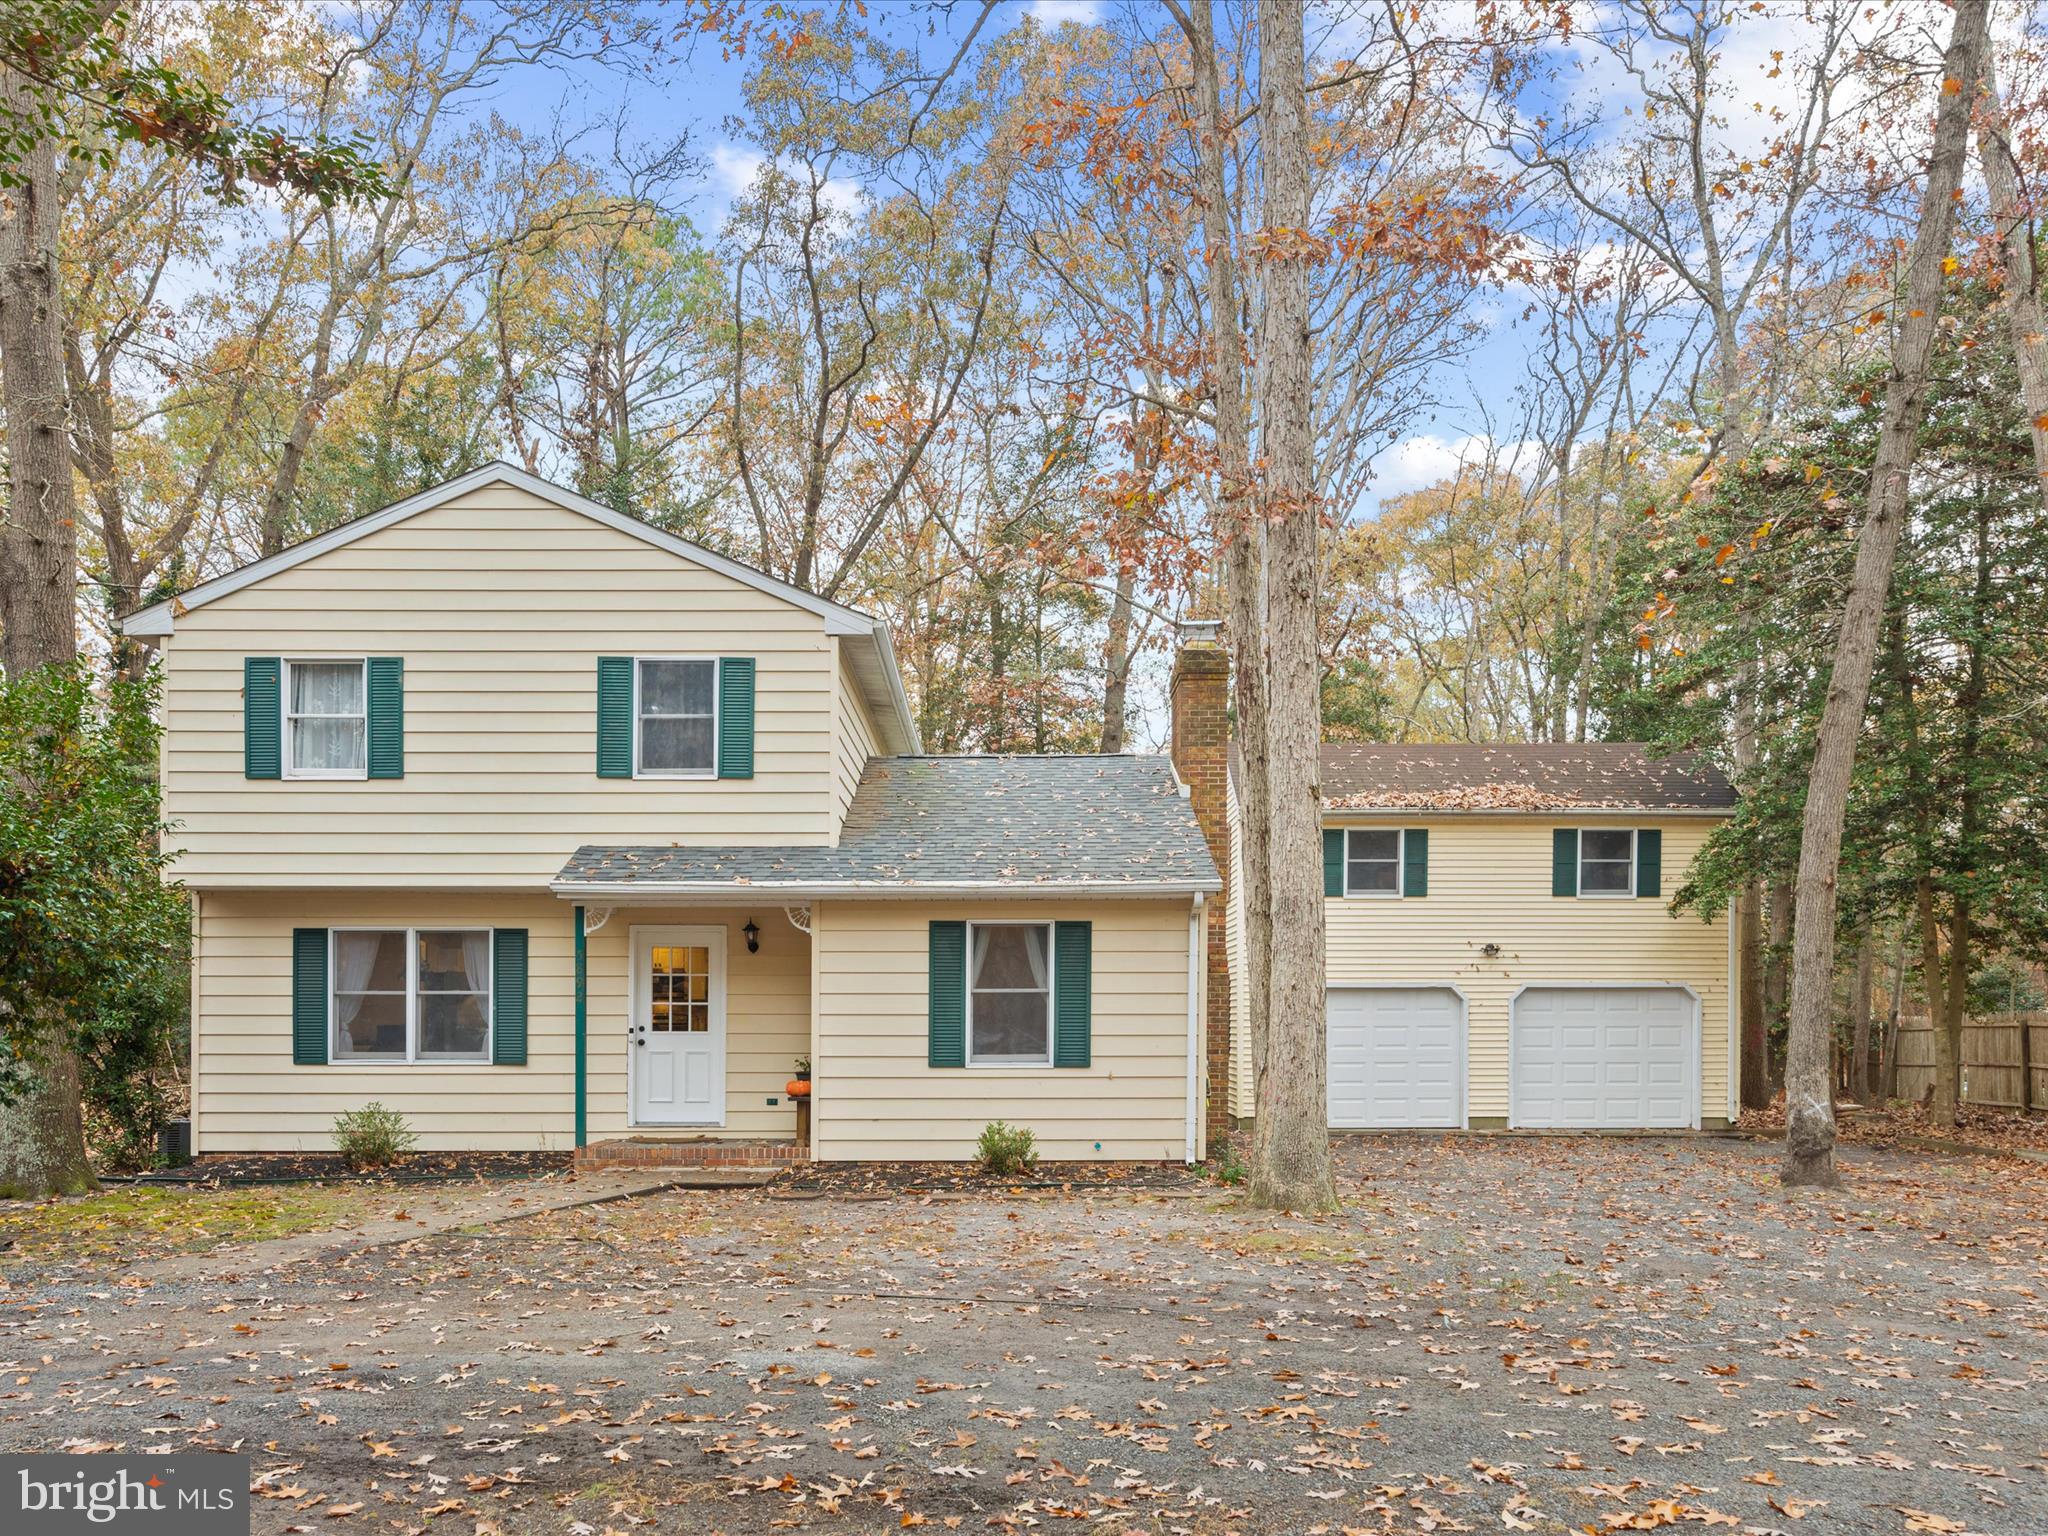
(1491, 951)
(753, 933)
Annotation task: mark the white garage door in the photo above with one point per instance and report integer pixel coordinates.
(1603, 1058)
(1397, 1057)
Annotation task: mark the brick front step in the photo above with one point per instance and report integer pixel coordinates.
(699, 1152)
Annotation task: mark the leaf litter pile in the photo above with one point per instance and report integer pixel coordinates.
(1548, 1335)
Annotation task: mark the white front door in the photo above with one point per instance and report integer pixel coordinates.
(1397, 1057)
(676, 1069)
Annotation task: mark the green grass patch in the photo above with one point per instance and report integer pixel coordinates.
(153, 1222)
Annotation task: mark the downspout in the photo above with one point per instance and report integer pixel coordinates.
(582, 1031)
(1734, 1023)
(192, 1027)
(1196, 949)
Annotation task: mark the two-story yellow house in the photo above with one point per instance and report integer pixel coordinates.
(548, 828)
(1500, 949)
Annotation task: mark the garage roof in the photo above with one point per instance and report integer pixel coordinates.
(1521, 777)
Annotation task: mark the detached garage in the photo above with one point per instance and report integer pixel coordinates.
(1604, 1058)
(1397, 1058)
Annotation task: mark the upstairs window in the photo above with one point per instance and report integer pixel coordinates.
(326, 727)
(675, 718)
(1372, 862)
(1607, 861)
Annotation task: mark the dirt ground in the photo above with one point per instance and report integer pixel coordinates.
(1496, 1335)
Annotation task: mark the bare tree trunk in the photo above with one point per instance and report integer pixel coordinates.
(1941, 1008)
(1749, 924)
(2014, 225)
(1116, 659)
(1809, 1102)
(1777, 962)
(1859, 1018)
(1242, 534)
(1894, 1009)
(1291, 1142)
(42, 1138)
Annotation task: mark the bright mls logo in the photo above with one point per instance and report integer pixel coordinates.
(195, 1494)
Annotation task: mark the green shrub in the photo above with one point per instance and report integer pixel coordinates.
(1226, 1167)
(1006, 1149)
(371, 1137)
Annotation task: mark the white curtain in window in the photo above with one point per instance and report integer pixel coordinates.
(1034, 950)
(476, 960)
(355, 956)
(327, 688)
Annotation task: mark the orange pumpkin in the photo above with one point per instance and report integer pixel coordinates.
(797, 1088)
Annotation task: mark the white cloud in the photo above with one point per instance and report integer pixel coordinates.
(1050, 13)
(734, 167)
(1426, 459)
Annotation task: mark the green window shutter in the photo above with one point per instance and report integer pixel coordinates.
(508, 997)
(1415, 862)
(947, 1010)
(1649, 862)
(1333, 861)
(615, 717)
(262, 718)
(736, 717)
(1564, 861)
(385, 683)
(1073, 987)
(309, 997)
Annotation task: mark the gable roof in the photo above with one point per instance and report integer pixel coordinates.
(1530, 777)
(873, 655)
(993, 825)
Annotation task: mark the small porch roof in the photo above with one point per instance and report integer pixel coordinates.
(1027, 826)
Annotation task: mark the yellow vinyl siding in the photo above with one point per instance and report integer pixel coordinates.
(853, 740)
(877, 1099)
(500, 603)
(252, 1098)
(249, 1095)
(1489, 883)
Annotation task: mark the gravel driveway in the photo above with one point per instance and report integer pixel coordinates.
(1495, 1335)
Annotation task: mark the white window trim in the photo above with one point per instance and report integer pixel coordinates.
(1013, 1063)
(659, 773)
(1579, 866)
(412, 1057)
(1400, 865)
(284, 723)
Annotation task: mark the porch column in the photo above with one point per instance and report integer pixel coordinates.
(582, 1031)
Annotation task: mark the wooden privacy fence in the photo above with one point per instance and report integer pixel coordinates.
(1993, 1050)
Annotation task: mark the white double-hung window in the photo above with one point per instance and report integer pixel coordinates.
(675, 718)
(1009, 994)
(410, 994)
(1607, 861)
(1372, 862)
(326, 720)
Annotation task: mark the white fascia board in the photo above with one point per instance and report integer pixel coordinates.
(651, 894)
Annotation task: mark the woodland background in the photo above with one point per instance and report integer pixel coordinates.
(1625, 274)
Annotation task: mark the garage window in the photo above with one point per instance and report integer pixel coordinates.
(1372, 862)
(1607, 861)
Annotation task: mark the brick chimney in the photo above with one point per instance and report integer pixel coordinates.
(1201, 756)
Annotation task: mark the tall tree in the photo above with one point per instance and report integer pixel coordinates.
(1291, 1139)
(1809, 1084)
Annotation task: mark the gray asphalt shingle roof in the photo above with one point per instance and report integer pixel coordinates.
(1520, 776)
(1001, 822)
